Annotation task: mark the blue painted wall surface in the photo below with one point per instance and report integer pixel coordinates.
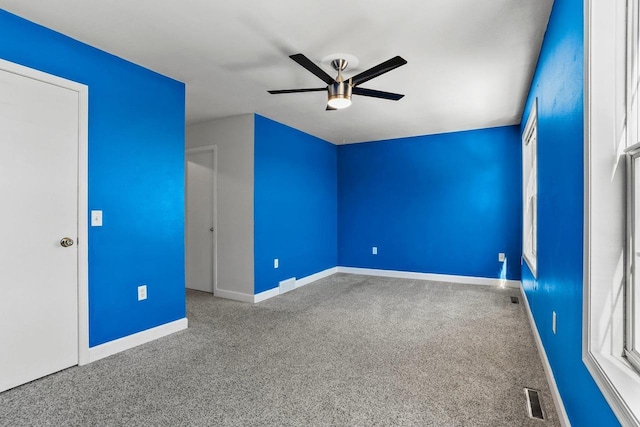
(445, 203)
(295, 200)
(558, 85)
(136, 176)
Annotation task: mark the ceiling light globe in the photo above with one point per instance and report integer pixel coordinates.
(339, 102)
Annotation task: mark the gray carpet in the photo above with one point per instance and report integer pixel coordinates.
(344, 351)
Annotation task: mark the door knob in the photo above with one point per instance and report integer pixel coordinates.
(211, 229)
(65, 242)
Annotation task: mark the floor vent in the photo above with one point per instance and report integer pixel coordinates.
(287, 285)
(515, 300)
(534, 405)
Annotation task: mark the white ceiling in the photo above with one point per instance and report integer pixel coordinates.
(470, 62)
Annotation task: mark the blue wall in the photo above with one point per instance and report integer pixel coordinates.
(558, 85)
(443, 204)
(295, 199)
(136, 176)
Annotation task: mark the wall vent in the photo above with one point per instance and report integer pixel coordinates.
(287, 285)
(515, 300)
(534, 404)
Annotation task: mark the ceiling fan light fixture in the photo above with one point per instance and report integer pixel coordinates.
(339, 95)
(339, 90)
(339, 102)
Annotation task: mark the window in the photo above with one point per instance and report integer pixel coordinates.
(632, 294)
(530, 189)
(611, 334)
(632, 289)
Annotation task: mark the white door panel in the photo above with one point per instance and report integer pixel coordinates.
(200, 218)
(39, 191)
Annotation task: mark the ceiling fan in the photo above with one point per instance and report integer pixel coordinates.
(340, 90)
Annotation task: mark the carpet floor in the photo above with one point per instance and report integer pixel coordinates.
(344, 351)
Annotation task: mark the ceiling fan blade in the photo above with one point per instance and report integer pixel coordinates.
(311, 66)
(379, 69)
(376, 93)
(330, 108)
(315, 89)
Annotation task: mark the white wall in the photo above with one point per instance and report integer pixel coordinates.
(233, 137)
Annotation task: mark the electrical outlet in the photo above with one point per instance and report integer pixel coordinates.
(142, 292)
(553, 322)
(275, 263)
(374, 250)
(501, 257)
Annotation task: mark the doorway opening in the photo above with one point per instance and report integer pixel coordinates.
(200, 223)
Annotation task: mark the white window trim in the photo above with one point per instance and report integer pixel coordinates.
(605, 209)
(633, 154)
(530, 144)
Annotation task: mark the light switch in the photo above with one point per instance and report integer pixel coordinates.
(501, 257)
(96, 218)
(374, 250)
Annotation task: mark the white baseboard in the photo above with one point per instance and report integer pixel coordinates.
(299, 282)
(262, 296)
(317, 276)
(121, 344)
(239, 296)
(555, 393)
(265, 295)
(236, 296)
(484, 281)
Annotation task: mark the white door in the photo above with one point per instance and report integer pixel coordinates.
(200, 220)
(39, 205)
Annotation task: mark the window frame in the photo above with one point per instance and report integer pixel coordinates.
(632, 342)
(530, 191)
(632, 282)
(609, 66)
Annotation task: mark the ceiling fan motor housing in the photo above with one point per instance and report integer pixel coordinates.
(339, 92)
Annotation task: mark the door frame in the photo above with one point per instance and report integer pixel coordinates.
(82, 212)
(214, 262)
